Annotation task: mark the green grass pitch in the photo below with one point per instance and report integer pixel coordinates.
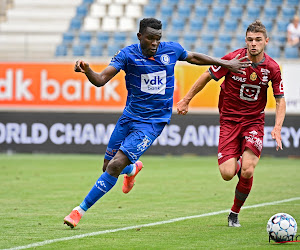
(38, 191)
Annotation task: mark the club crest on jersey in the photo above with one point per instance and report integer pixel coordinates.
(165, 59)
(154, 83)
(253, 76)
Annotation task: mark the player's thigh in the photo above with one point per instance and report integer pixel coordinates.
(228, 168)
(229, 142)
(121, 130)
(249, 162)
(140, 139)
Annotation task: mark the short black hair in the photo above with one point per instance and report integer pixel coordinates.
(149, 22)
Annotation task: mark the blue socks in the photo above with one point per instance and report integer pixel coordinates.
(101, 187)
(128, 169)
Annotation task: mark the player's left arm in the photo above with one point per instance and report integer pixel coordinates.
(236, 64)
(279, 118)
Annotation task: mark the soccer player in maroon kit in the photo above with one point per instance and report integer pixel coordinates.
(242, 102)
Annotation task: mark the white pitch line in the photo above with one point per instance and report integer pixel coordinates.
(46, 242)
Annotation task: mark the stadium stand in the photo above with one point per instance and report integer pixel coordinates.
(60, 28)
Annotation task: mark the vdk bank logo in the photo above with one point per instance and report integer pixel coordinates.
(154, 83)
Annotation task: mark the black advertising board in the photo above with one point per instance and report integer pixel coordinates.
(58, 132)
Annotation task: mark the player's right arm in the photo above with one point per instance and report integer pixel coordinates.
(97, 79)
(183, 104)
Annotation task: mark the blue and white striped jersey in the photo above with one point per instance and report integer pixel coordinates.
(149, 81)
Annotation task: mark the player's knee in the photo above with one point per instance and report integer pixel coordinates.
(247, 173)
(227, 176)
(226, 173)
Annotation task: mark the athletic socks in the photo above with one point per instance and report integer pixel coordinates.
(242, 191)
(129, 170)
(101, 187)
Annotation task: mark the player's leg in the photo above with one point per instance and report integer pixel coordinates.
(251, 147)
(140, 139)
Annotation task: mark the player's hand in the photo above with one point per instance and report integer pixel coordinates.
(276, 135)
(238, 65)
(182, 107)
(81, 66)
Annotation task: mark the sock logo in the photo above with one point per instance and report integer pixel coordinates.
(101, 186)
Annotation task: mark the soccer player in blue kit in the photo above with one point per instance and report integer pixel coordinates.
(149, 68)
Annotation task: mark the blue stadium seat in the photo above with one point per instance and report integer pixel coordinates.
(207, 39)
(78, 50)
(218, 11)
(271, 12)
(282, 25)
(85, 37)
(184, 11)
(196, 24)
(240, 41)
(202, 49)
(120, 38)
(166, 11)
(268, 24)
(75, 24)
(246, 23)
(236, 12)
(230, 25)
(291, 53)
(68, 37)
(240, 3)
(87, 1)
(213, 25)
(189, 38)
(201, 12)
(61, 50)
(154, 2)
(172, 2)
(150, 11)
(219, 51)
(207, 2)
(178, 24)
(273, 52)
(112, 49)
(223, 2)
(288, 12)
(133, 37)
(276, 3)
(279, 39)
(102, 37)
(259, 3)
(172, 37)
(293, 3)
(225, 39)
(165, 23)
(96, 50)
(253, 12)
(82, 10)
(189, 2)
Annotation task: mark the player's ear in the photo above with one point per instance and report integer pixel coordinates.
(139, 35)
(267, 40)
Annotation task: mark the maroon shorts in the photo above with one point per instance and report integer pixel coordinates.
(235, 137)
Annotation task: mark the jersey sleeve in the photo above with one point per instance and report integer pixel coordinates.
(217, 72)
(277, 83)
(181, 53)
(119, 60)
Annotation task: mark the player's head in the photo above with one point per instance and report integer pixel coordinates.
(149, 35)
(256, 38)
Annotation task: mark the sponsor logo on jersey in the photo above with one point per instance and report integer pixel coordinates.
(265, 71)
(239, 79)
(140, 60)
(165, 59)
(249, 92)
(253, 76)
(154, 83)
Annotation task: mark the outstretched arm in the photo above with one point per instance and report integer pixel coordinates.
(235, 65)
(280, 114)
(183, 104)
(97, 79)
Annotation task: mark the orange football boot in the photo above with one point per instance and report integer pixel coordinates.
(129, 181)
(72, 219)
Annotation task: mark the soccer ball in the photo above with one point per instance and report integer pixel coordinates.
(282, 227)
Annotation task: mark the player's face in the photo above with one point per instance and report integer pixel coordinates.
(256, 43)
(149, 41)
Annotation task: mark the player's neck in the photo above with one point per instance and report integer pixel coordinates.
(258, 58)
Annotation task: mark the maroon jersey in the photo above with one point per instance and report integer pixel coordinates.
(245, 96)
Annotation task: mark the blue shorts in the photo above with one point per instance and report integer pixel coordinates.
(132, 137)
